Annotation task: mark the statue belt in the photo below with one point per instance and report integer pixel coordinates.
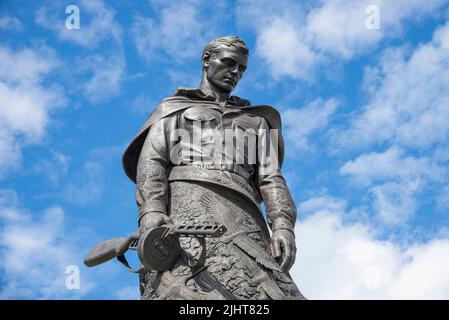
(231, 168)
(221, 178)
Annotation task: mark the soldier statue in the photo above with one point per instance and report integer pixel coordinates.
(205, 157)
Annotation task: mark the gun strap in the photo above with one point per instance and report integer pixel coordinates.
(123, 261)
(204, 279)
(207, 282)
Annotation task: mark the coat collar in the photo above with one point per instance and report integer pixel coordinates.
(197, 93)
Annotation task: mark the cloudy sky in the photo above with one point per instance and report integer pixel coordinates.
(363, 89)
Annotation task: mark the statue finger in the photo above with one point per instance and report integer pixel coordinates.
(293, 258)
(276, 247)
(292, 262)
(287, 255)
(272, 248)
(167, 220)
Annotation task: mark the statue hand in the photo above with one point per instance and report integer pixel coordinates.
(283, 244)
(154, 219)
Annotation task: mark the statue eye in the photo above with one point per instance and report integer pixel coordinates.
(229, 62)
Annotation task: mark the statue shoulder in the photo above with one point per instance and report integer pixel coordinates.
(165, 108)
(273, 118)
(269, 113)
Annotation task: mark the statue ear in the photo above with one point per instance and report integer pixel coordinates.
(206, 59)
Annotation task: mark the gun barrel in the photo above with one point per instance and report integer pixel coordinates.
(213, 231)
(104, 251)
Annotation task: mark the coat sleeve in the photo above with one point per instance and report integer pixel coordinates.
(152, 168)
(279, 205)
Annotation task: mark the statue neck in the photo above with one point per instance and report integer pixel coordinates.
(209, 89)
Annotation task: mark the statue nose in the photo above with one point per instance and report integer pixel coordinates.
(236, 70)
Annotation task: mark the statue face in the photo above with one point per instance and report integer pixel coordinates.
(226, 68)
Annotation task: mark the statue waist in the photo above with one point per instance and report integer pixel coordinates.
(222, 178)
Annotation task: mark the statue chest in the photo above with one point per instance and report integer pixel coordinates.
(210, 119)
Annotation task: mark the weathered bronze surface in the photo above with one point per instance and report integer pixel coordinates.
(188, 173)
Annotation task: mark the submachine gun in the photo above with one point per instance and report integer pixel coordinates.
(158, 248)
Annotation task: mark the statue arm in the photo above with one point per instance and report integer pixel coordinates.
(279, 204)
(152, 180)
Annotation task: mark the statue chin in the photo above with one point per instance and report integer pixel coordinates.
(227, 88)
(221, 84)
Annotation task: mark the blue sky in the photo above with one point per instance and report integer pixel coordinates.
(365, 117)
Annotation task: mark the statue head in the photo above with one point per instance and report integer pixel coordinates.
(224, 61)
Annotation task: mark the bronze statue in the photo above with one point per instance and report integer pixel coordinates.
(203, 163)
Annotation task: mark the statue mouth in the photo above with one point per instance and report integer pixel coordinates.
(228, 79)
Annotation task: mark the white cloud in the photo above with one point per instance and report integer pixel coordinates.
(392, 164)
(86, 184)
(299, 124)
(26, 114)
(104, 71)
(184, 78)
(87, 187)
(10, 152)
(322, 205)
(295, 37)
(26, 66)
(409, 102)
(105, 74)
(395, 181)
(25, 105)
(143, 104)
(282, 45)
(442, 200)
(97, 23)
(341, 261)
(75, 182)
(408, 111)
(180, 31)
(394, 202)
(425, 277)
(339, 26)
(53, 168)
(8, 22)
(35, 253)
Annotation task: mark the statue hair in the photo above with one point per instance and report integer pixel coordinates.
(214, 46)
